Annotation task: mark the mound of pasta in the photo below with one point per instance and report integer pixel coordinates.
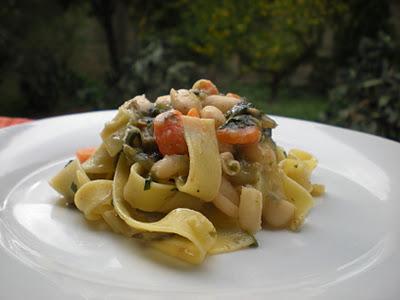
(193, 173)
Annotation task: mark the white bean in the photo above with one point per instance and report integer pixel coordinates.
(141, 103)
(184, 100)
(163, 101)
(171, 166)
(223, 103)
(211, 112)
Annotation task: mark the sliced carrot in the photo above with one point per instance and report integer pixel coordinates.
(241, 136)
(233, 95)
(168, 133)
(206, 86)
(193, 112)
(84, 154)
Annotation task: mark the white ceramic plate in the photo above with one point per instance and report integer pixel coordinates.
(349, 247)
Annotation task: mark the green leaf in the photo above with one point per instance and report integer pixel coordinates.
(383, 100)
(255, 243)
(70, 161)
(73, 187)
(371, 83)
(147, 183)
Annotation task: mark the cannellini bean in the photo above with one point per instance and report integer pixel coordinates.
(250, 209)
(171, 166)
(223, 103)
(141, 103)
(278, 213)
(211, 112)
(184, 100)
(230, 166)
(163, 101)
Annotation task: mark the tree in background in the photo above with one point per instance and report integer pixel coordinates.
(362, 19)
(367, 96)
(37, 41)
(271, 38)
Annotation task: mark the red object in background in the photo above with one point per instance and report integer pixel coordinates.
(6, 121)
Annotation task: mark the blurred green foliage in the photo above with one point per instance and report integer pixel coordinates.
(295, 103)
(48, 84)
(367, 96)
(63, 56)
(271, 38)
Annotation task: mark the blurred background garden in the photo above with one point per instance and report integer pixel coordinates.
(335, 62)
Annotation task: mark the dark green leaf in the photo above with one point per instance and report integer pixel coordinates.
(255, 243)
(73, 187)
(147, 183)
(70, 161)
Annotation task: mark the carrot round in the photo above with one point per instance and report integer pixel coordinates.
(240, 136)
(168, 133)
(193, 112)
(206, 86)
(84, 154)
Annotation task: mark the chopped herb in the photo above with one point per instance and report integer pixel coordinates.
(70, 161)
(198, 191)
(255, 243)
(199, 93)
(240, 121)
(296, 166)
(144, 122)
(147, 183)
(234, 166)
(158, 109)
(241, 108)
(73, 187)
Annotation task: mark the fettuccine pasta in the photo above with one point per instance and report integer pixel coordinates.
(194, 173)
